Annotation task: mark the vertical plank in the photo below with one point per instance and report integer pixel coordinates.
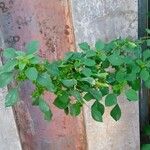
(49, 22)
(107, 19)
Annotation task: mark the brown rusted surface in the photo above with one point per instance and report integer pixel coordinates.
(49, 22)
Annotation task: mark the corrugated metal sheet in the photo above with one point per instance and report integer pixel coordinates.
(49, 22)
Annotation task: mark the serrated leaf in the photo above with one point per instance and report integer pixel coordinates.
(69, 82)
(97, 110)
(31, 73)
(75, 109)
(111, 99)
(144, 74)
(12, 97)
(32, 47)
(84, 46)
(116, 113)
(99, 45)
(5, 79)
(86, 72)
(89, 62)
(131, 95)
(115, 60)
(62, 101)
(45, 80)
(96, 94)
(9, 53)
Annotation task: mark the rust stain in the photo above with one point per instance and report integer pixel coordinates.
(48, 21)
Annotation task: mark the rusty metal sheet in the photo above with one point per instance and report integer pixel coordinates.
(49, 22)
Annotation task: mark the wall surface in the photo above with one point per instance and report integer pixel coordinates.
(107, 19)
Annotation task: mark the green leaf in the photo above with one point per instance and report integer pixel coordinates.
(86, 72)
(76, 94)
(146, 54)
(120, 76)
(148, 42)
(62, 101)
(84, 46)
(35, 60)
(89, 80)
(88, 97)
(9, 66)
(131, 95)
(116, 113)
(31, 73)
(90, 53)
(144, 74)
(75, 109)
(115, 60)
(145, 147)
(111, 99)
(22, 65)
(69, 82)
(12, 97)
(32, 47)
(99, 45)
(5, 78)
(147, 83)
(89, 62)
(148, 31)
(104, 90)
(97, 110)
(103, 56)
(45, 80)
(9, 53)
(96, 94)
(52, 68)
(131, 76)
(45, 109)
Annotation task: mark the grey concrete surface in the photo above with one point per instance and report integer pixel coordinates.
(108, 19)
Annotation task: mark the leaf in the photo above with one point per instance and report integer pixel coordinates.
(84, 46)
(31, 73)
(45, 109)
(32, 47)
(35, 60)
(147, 130)
(97, 110)
(62, 101)
(148, 42)
(103, 56)
(9, 66)
(99, 45)
(76, 94)
(146, 54)
(148, 31)
(90, 53)
(96, 94)
(9, 53)
(111, 99)
(69, 82)
(89, 80)
(120, 76)
(104, 90)
(88, 97)
(75, 109)
(86, 72)
(12, 97)
(22, 65)
(144, 74)
(45, 80)
(131, 95)
(147, 83)
(52, 68)
(89, 62)
(116, 113)
(5, 78)
(115, 60)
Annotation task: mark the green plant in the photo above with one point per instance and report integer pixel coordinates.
(103, 71)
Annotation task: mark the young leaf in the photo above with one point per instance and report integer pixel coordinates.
(111, 99)
(99, 45)
(31, 73)
(97, 110)
(62, 101)
(116, 113)
(12, 97)
(22, 65)
(9, 53)
(5, 78)
(32, 47)
(131, 95)
(69, 82)
(75, 109)
(84, 46)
